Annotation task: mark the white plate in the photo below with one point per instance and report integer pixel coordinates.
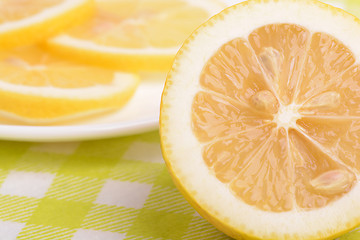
(141, 114)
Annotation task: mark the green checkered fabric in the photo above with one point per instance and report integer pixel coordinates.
(106, 190)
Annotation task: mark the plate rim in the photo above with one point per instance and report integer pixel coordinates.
(76, 133)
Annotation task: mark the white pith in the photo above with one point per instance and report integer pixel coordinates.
(121, 82)
(287, 116)
(185, 151)
(211, 6)
(47, 13)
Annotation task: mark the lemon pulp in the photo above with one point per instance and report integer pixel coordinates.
(12, 10)
(156, 23)
(278, 115)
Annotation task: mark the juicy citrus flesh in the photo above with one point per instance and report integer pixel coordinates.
(37, 87)
(279, 118)
(141, 24)
(31, 66)
(141, 35)
(12, 10)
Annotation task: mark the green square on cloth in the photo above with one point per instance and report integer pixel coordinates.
(69, 214)
(110, 189)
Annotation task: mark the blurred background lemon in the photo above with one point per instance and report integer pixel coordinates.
(140, 35)
(62, 59)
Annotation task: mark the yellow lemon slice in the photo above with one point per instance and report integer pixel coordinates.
(260, 120)
(134, 35)
(23, 22)
(37, 88)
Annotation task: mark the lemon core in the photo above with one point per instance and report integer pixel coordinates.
(287, 116)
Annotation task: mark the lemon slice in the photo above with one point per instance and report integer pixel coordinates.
(23, 22)
(260, 120)
(134, 35)
(36, 87)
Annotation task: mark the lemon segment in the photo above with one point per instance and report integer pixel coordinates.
(145, 36)
(37, 87)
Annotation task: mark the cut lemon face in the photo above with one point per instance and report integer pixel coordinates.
(36, 87)
(135, 35)
(260, 120)
(23, 22)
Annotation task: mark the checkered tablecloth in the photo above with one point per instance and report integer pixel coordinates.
(105, 190)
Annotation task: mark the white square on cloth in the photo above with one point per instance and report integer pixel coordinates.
(124, 194)
(88, 234)
(26, 184)
(10, 230)
(143, 151)
(66, 148)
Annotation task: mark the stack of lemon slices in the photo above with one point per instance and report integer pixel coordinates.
(64, 59)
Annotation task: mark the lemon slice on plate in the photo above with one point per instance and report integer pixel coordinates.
(38, 88)
(23, 22)
(134, 35)
(260, 120)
